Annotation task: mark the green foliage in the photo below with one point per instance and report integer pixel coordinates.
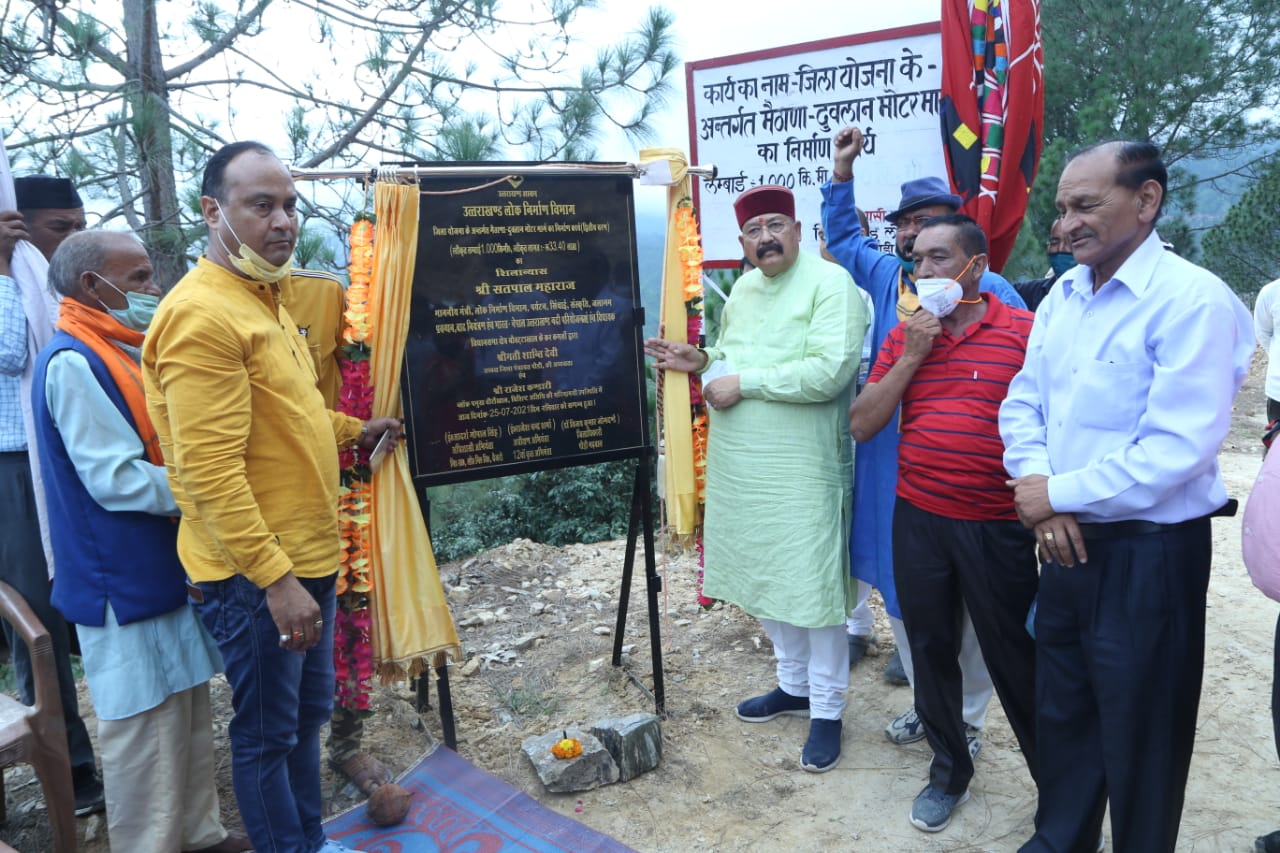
(313, 250)
(586, 503)
(1244, 249)
(1200, 80)
(126, 92)
(713, 305)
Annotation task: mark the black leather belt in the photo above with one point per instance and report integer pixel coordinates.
(195, 593)
(1138, 527)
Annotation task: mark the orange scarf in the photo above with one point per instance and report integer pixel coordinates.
(97, 330)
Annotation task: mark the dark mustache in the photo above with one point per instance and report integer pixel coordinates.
(768, 247)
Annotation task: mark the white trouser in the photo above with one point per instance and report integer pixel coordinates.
(973, 669)
(861, 622)
(158, 775)
(812, 662)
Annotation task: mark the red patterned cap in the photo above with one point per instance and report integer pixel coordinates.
(762, 200)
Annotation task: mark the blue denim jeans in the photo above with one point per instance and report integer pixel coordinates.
(280, 700)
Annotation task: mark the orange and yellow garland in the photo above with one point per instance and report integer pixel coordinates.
(352, 645)
(690, 251)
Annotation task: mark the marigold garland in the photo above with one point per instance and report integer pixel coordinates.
(690, 251)
(352, 644)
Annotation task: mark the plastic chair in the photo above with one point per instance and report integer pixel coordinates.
(38, 735)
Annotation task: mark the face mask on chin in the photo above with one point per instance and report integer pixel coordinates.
(908, 266)
(250, 264)
(138, 310)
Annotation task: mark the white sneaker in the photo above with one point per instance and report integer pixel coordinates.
(905, 728)
(974, 736)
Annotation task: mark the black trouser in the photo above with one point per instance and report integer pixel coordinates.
(1120, 657)
(23, 567)
(990, 567)
(1273, 409)
(1275, 692)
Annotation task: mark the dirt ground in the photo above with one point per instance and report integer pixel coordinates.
(542, 621)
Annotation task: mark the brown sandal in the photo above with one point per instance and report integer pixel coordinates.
(365, 772)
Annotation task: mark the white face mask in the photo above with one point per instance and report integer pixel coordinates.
(250, 263)
(939, 296)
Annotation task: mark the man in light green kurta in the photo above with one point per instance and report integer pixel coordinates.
(779, 470)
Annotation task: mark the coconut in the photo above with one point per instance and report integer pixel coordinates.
(388, 804)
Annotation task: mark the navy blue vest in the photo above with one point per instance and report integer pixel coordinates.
(127, 558)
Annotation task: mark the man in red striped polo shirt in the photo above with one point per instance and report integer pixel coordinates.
(956, 536)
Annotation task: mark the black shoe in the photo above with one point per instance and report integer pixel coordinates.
(894, 673)
(858, 645)
(776, 703)
(90, 798)
(1269, 843)
(822, 749)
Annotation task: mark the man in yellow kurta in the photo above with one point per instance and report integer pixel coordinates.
(316, 301)
(779, 474)
(252, 459)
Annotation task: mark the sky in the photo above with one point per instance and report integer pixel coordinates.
(705, 30)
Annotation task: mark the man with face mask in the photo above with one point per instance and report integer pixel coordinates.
(147, 658)
(890, 280)
(48, 209)
(957, 541)
(253, 462)
(1058, 249)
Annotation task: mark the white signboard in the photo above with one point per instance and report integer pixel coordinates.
(769, 117)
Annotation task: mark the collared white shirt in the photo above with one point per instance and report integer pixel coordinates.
(1125, 395)
(1266, 311)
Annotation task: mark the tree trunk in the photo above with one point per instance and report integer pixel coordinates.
(148, 105)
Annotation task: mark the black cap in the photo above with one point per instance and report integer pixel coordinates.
(41, 192)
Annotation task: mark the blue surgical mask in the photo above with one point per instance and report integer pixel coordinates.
(1061, 262)
(908, 266)
(138, 310)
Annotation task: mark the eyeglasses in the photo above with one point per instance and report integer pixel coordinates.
(776, 229)
(916, 222)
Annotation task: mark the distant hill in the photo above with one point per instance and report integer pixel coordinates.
(651, 239)
(1212, 199)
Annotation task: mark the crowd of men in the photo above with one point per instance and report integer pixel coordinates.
(185, 539)
(1031, 493)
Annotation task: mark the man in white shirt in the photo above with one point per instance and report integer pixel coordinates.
(1265, 311)
(1111, 433)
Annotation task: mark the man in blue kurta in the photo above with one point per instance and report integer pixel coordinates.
(147, 658)
(779, 381)
(889, 279)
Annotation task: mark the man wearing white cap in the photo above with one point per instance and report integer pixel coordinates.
(779, 472)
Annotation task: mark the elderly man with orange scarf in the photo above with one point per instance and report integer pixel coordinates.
(147, 657)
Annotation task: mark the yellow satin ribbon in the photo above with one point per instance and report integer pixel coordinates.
(679, 478)
(412, 625)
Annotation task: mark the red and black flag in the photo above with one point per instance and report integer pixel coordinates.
(992, 111)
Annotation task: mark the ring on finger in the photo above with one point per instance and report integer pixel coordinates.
(1048, 536)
